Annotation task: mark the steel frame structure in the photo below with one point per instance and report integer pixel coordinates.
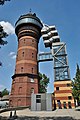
(58, 53)
(61, 68)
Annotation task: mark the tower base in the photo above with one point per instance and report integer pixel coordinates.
(20, 101)
(22, 88)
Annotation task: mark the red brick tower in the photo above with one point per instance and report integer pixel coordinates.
(25, 79)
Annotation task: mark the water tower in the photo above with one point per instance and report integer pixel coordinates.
(25, 79)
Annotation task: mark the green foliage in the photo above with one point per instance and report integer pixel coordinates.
(2, 35)
(76, 85)
(43, 83)
(0, 94)
(4, 92)
(3, 1)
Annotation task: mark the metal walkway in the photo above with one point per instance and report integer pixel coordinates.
(45, 57)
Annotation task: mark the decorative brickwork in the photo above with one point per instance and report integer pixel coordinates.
(25, 79)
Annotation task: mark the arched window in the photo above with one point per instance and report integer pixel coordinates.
(32, 55)
(32, 70)
(32, 80)
(23, 54)
(32, 44)
(24, 40)
(32, 41)
(21, 69)
(32, 90)
(19, 102)
(20, 90)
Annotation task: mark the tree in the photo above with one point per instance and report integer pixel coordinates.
(3, 34)
(43, 83)
(76, 86)
(4, 92)
(0, 94)
(3, 1)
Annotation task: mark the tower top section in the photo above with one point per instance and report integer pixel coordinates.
(28, 19)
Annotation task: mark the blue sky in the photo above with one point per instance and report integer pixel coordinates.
(64, 14)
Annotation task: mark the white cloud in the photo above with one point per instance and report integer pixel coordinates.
(12, 55)
(8, 27)
(41, 52)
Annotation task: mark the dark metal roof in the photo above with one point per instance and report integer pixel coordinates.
(29, 15)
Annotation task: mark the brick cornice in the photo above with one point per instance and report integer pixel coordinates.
(24, 74)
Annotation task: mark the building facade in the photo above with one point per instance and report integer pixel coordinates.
(25, 79)
(63, 94)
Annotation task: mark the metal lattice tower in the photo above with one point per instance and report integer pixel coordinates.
(58, 53)
(61, 68)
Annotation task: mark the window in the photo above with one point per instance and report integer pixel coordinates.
(38, 96)
(21, 69)
(32, 70)
(69, 97)
(23, 54)
(69, 105)
(59, 104)
(57, 88)
(58, 100)
(32, 79)
(24, 40)
(32, 90)
(17, 57)
(32, 41)
(32, 55)
(38, 100)
(19, 102)
(13, 80)
(20, 90)
(68, 84)
(64, 105)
